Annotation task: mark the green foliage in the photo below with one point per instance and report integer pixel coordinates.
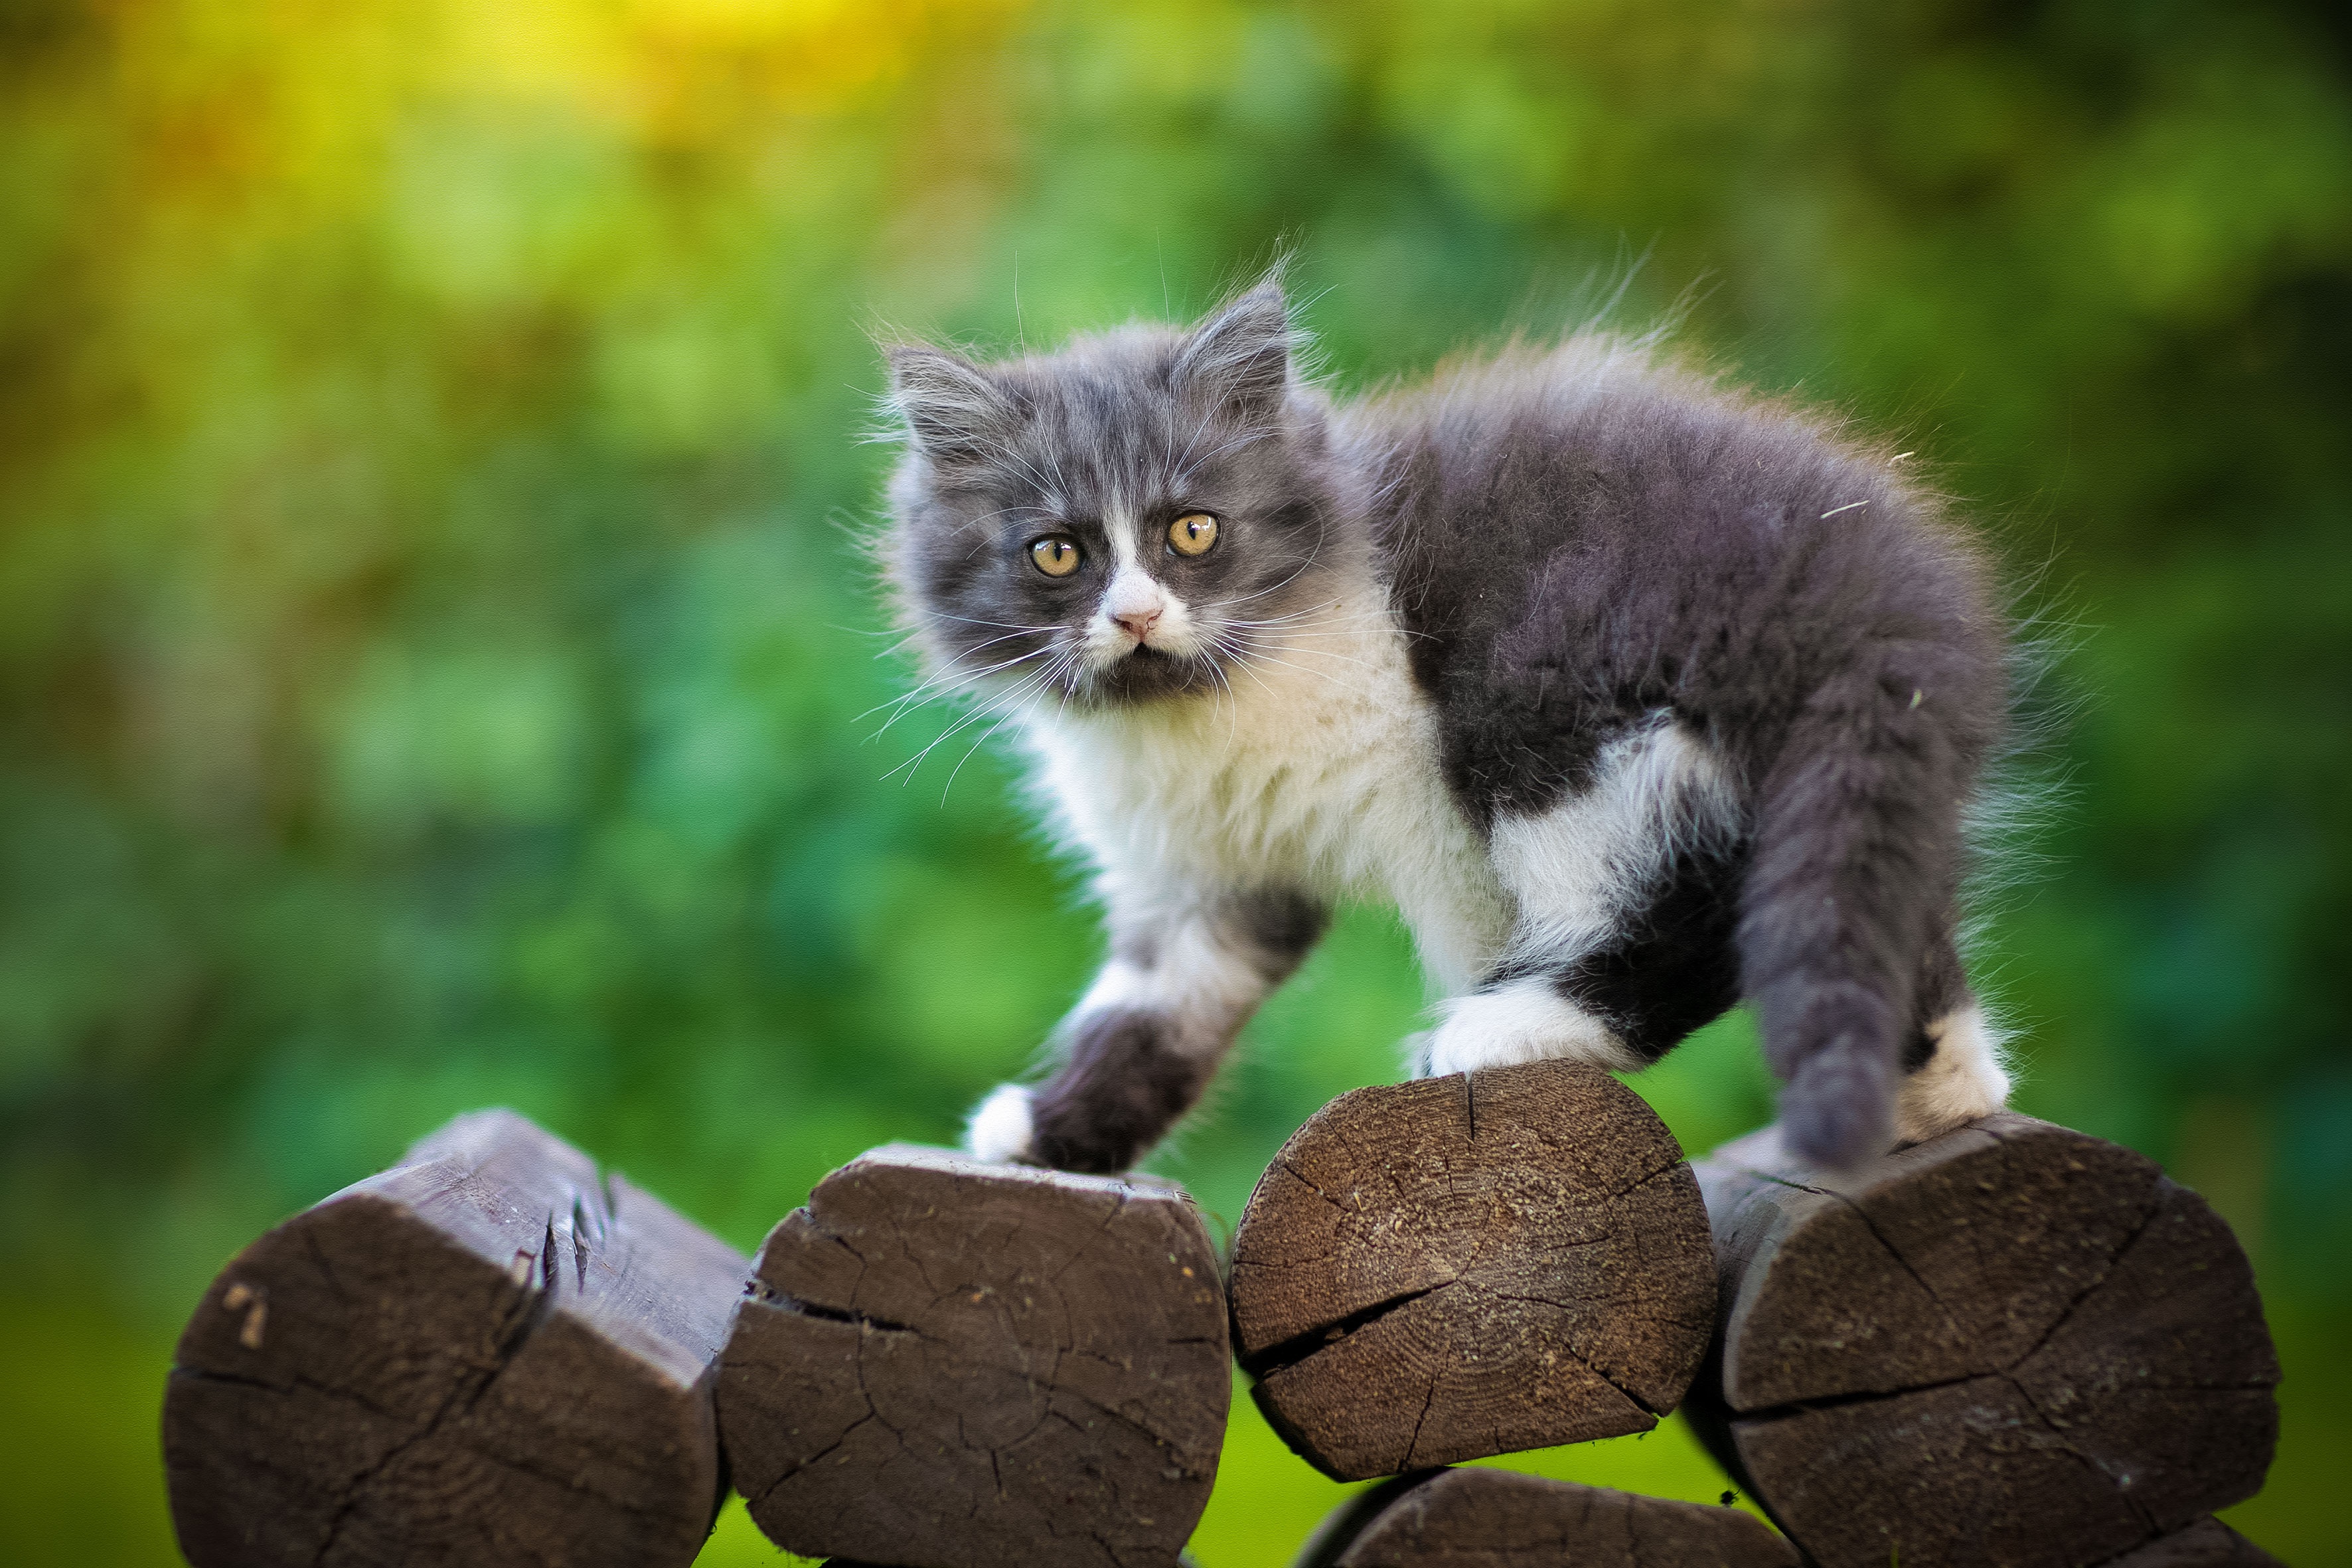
(437, 666)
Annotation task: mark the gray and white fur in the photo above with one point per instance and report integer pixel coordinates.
(1635, 696)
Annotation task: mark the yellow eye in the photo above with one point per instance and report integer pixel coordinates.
(1057, 555)
(1192, 533)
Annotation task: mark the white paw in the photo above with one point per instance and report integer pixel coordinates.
(1524, 1021)
(999, 1132)
(1967, 1078)
(1414, 1048)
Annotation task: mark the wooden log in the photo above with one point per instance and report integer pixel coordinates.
(1466, 1265)
(489, 1354)
(951, 1364)
(2015, 1345)
(1495, 1519)
(2207, 1543)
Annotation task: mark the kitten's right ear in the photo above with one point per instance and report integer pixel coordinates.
(1241, 355)
(955, 410)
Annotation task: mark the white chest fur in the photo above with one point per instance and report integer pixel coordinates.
(1318, 769)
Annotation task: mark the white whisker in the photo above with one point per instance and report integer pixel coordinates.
(951, 674)
(983, 712)
(1250, 647)
(1260, 657)
(914, 698)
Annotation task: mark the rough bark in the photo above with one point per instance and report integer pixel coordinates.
(1495, 1519)
(2015, 1345)
(950, 1364)
(1472, 1265)
(489, 1354)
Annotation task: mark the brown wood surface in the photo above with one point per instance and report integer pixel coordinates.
(2207, 1543)
(2015, 1345)
(950, 1364)
(1471, 1265)
(1481, 1517)
(489, 1354)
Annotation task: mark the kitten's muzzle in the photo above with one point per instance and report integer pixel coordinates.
(1134, 604)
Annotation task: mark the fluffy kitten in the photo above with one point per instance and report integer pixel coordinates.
(1635, 696)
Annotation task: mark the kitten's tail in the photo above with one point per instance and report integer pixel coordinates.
(1856, 869)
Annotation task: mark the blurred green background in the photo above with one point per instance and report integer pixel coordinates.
(436, 665)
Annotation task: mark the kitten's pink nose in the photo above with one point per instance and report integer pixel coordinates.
(1139, 622)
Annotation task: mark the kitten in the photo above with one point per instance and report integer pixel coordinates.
(1635, 697)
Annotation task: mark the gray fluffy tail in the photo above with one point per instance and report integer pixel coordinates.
(1853, 887)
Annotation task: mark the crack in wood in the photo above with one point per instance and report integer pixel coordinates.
(1300, 1346)
(460, 1403)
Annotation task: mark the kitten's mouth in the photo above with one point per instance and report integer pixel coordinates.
(1144, 672)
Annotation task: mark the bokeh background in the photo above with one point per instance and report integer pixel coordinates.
(436, 669)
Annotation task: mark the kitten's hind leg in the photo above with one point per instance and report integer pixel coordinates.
(1626, 896)
(1961, 1079)
(1954, 1067)
(1665, 968)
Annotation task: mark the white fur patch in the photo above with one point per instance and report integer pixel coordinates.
(1132, 591)
(1193, 981)
(1524, 1021)
(1317, 768)
(1576, 868)
(999, 1130)
(1966, 1078)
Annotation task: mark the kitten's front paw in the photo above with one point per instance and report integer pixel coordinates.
(1520, 1021)
(1000, 1132)
(1414, 1048)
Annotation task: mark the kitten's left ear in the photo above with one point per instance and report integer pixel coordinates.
(1241, 355)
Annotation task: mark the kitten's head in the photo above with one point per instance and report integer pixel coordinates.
(1118, 522)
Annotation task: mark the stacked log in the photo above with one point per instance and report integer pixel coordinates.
(1495, 1519)
(2015, 1345)
(2207, 1543)
(949, 1365)
(1472, 1265)
(489, 1354)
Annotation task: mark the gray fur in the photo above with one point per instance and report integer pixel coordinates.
(1579, 543)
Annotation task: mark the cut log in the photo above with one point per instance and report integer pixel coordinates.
(951, 1364)
(488, 1355)
(1495, 1519)
(2016, 1344)
(2207, 1543)
(1471, 1265)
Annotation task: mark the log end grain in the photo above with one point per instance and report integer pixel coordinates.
(1472, 1265)
(1481, 1517)
(2015, 1345)
(489, 1354)
(951, 1364)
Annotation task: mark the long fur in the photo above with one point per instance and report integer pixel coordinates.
(1634, 695)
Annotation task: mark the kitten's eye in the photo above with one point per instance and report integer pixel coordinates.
(1192, 533)
(1057, 555)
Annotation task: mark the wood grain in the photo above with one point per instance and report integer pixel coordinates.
(1467, 1266)
(2016, 1344)
(1495, 1519)
(489, 1354)
(950, 1364)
